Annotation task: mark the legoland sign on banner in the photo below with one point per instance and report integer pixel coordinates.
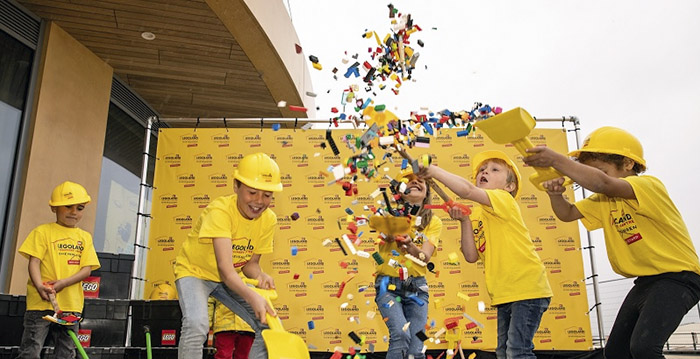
(195, 167)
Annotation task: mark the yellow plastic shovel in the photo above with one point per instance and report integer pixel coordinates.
(514, 127)
(280, 343)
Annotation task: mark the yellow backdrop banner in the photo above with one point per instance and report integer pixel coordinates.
(195, 166)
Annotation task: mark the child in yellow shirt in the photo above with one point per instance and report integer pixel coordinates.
(60, 256)
(226, 241)
(495, 232)
(412, 287)
(645, 236)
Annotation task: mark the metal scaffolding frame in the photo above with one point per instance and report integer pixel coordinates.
(140, 245)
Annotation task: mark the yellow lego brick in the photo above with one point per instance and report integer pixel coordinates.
(453, 257)
(462, 296)
(317, 66)
(391, 287)
(436, 303)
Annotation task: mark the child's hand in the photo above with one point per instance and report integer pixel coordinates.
(45, 290)
(57, 285)
(265, 281)
(457, 213)
(260, 307)
(554, 187)
(541, 157)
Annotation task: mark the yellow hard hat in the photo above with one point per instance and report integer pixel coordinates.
(487, 155)
(163, 291)
(614, 141)
(68, 194)
(259, 171)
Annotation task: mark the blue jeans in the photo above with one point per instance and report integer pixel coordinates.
(517, 324)
(37, 329)
(194, 293)
(413, 310)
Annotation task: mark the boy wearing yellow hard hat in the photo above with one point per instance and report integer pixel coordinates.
(645, 236)
(226, 241)
(495, 233)
(60, 256)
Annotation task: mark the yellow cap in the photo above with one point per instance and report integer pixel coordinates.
(68, 194)
(259, 171)
(613, 140)
(487, 155)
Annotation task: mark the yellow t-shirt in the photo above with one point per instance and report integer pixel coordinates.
(223, 319)
(221, 219)
(62, 252)
(646, 236)
(513, 269)
(431, 232)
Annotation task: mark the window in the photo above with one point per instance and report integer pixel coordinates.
(15, 71)
(117, 207)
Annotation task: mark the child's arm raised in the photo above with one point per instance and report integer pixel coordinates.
(456, 184)
(467, 243)
(224, 263)
(588, 177)
(564, 210)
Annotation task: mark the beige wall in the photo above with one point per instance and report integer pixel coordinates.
(67, 135)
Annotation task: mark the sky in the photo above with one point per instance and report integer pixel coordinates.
(633, 64)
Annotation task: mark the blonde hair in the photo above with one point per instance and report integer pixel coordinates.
(510, 176)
